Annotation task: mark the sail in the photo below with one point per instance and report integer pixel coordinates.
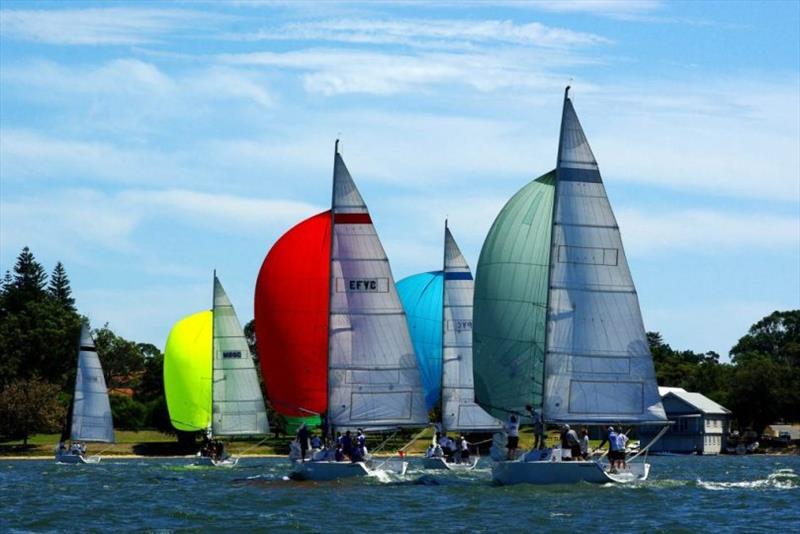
(509, 315)
(291, 316)
(187, 372)
(238, 406)
(598, 364)
(91, 411)
(373, 375)
(459, 411)
(421, 295)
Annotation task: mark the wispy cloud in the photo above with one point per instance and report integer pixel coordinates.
(609, 8)
(101, 26)
(429, 33)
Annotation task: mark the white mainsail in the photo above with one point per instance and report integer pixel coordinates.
(373, 376)
(459, 411)
(91, 411)
(598, 366)
(237, 405)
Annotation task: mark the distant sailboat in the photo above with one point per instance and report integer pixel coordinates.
(439, 309)
(557, 320)
(91, 419)
(332, 334)
(210, 379)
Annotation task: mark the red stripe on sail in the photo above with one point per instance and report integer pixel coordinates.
(352, 218)
(291, 316)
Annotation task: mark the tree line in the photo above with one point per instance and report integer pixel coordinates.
(40, 327)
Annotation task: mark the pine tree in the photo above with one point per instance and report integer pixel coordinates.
(8, 281)
(59, 287)
(29, 275)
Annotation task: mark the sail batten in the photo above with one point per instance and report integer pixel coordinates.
(91, 410)
(238, 405)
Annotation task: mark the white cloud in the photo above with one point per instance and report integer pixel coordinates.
(706, 232)
(100, 26)
(610, 8)
(428, 33)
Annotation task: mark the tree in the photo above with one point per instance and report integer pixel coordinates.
(59, 287)
(776, 336)
(128, 414)
(30, 406)
(122, 360)
(151, 385)
(250, 335)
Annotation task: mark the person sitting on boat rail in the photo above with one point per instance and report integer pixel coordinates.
(512, 431)
(316, 442)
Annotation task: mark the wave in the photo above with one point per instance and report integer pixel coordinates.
(782, 479)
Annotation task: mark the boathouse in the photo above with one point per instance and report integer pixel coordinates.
(699, 425)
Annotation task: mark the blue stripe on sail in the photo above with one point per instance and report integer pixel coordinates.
(458, 276)
(566, 174)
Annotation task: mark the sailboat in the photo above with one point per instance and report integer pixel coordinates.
(91, 419)
(439, 309)
(557, 324)
(333, 338)
(210, 379)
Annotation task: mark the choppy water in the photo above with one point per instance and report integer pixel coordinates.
(684, 494)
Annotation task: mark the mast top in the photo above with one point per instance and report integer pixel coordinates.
(566, 92)
(336, 147)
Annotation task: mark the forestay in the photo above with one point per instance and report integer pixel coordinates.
(598, 364)
(511, 301)
(373, 380)
(91, 411)
(238, 405)
(459, 411)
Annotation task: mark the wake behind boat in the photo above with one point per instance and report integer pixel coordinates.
(558, 328)
(91, 419)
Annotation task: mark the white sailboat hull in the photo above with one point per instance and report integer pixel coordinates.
(546, 472)
(441, 463)
(69, 458)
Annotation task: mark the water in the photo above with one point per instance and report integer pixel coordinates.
(684, 494)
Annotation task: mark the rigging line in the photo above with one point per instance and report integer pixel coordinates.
(248, 449)
(401, 449)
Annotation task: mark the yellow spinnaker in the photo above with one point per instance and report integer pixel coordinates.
(187, 372)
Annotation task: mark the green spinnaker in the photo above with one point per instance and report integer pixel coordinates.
(187, 372)
(510, 305)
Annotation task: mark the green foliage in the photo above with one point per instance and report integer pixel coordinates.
(158, 416)
(59, 287)
(776, 336)
(250, 335)
(122, 360)
(151, 385)
(128, 414)
(30, 406)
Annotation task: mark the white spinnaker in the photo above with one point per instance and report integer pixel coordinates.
(373, 377)
(598, 366)
(459, 411)
(238, 405)
(91, 411)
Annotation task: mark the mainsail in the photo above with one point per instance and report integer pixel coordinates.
(188, 372)
(509, 317)
(291, 315)
(598, 363)
(91, 411)
(421, 296)
(238, 406)
(459, 411)
(373, 376)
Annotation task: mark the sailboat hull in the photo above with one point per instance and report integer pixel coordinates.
(326, 471)
(517, 472)
(76, 459)
(441, 463)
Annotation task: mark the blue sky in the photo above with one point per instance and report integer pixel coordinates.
(145, 144)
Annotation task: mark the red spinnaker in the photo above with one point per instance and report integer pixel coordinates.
(291, 314)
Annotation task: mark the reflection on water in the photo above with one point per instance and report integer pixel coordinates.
(684, 493)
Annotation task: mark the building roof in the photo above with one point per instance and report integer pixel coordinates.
(698, 400)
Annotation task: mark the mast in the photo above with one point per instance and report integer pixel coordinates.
(213, 357)
(331, 289)
(551, 267)
(444, 325)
